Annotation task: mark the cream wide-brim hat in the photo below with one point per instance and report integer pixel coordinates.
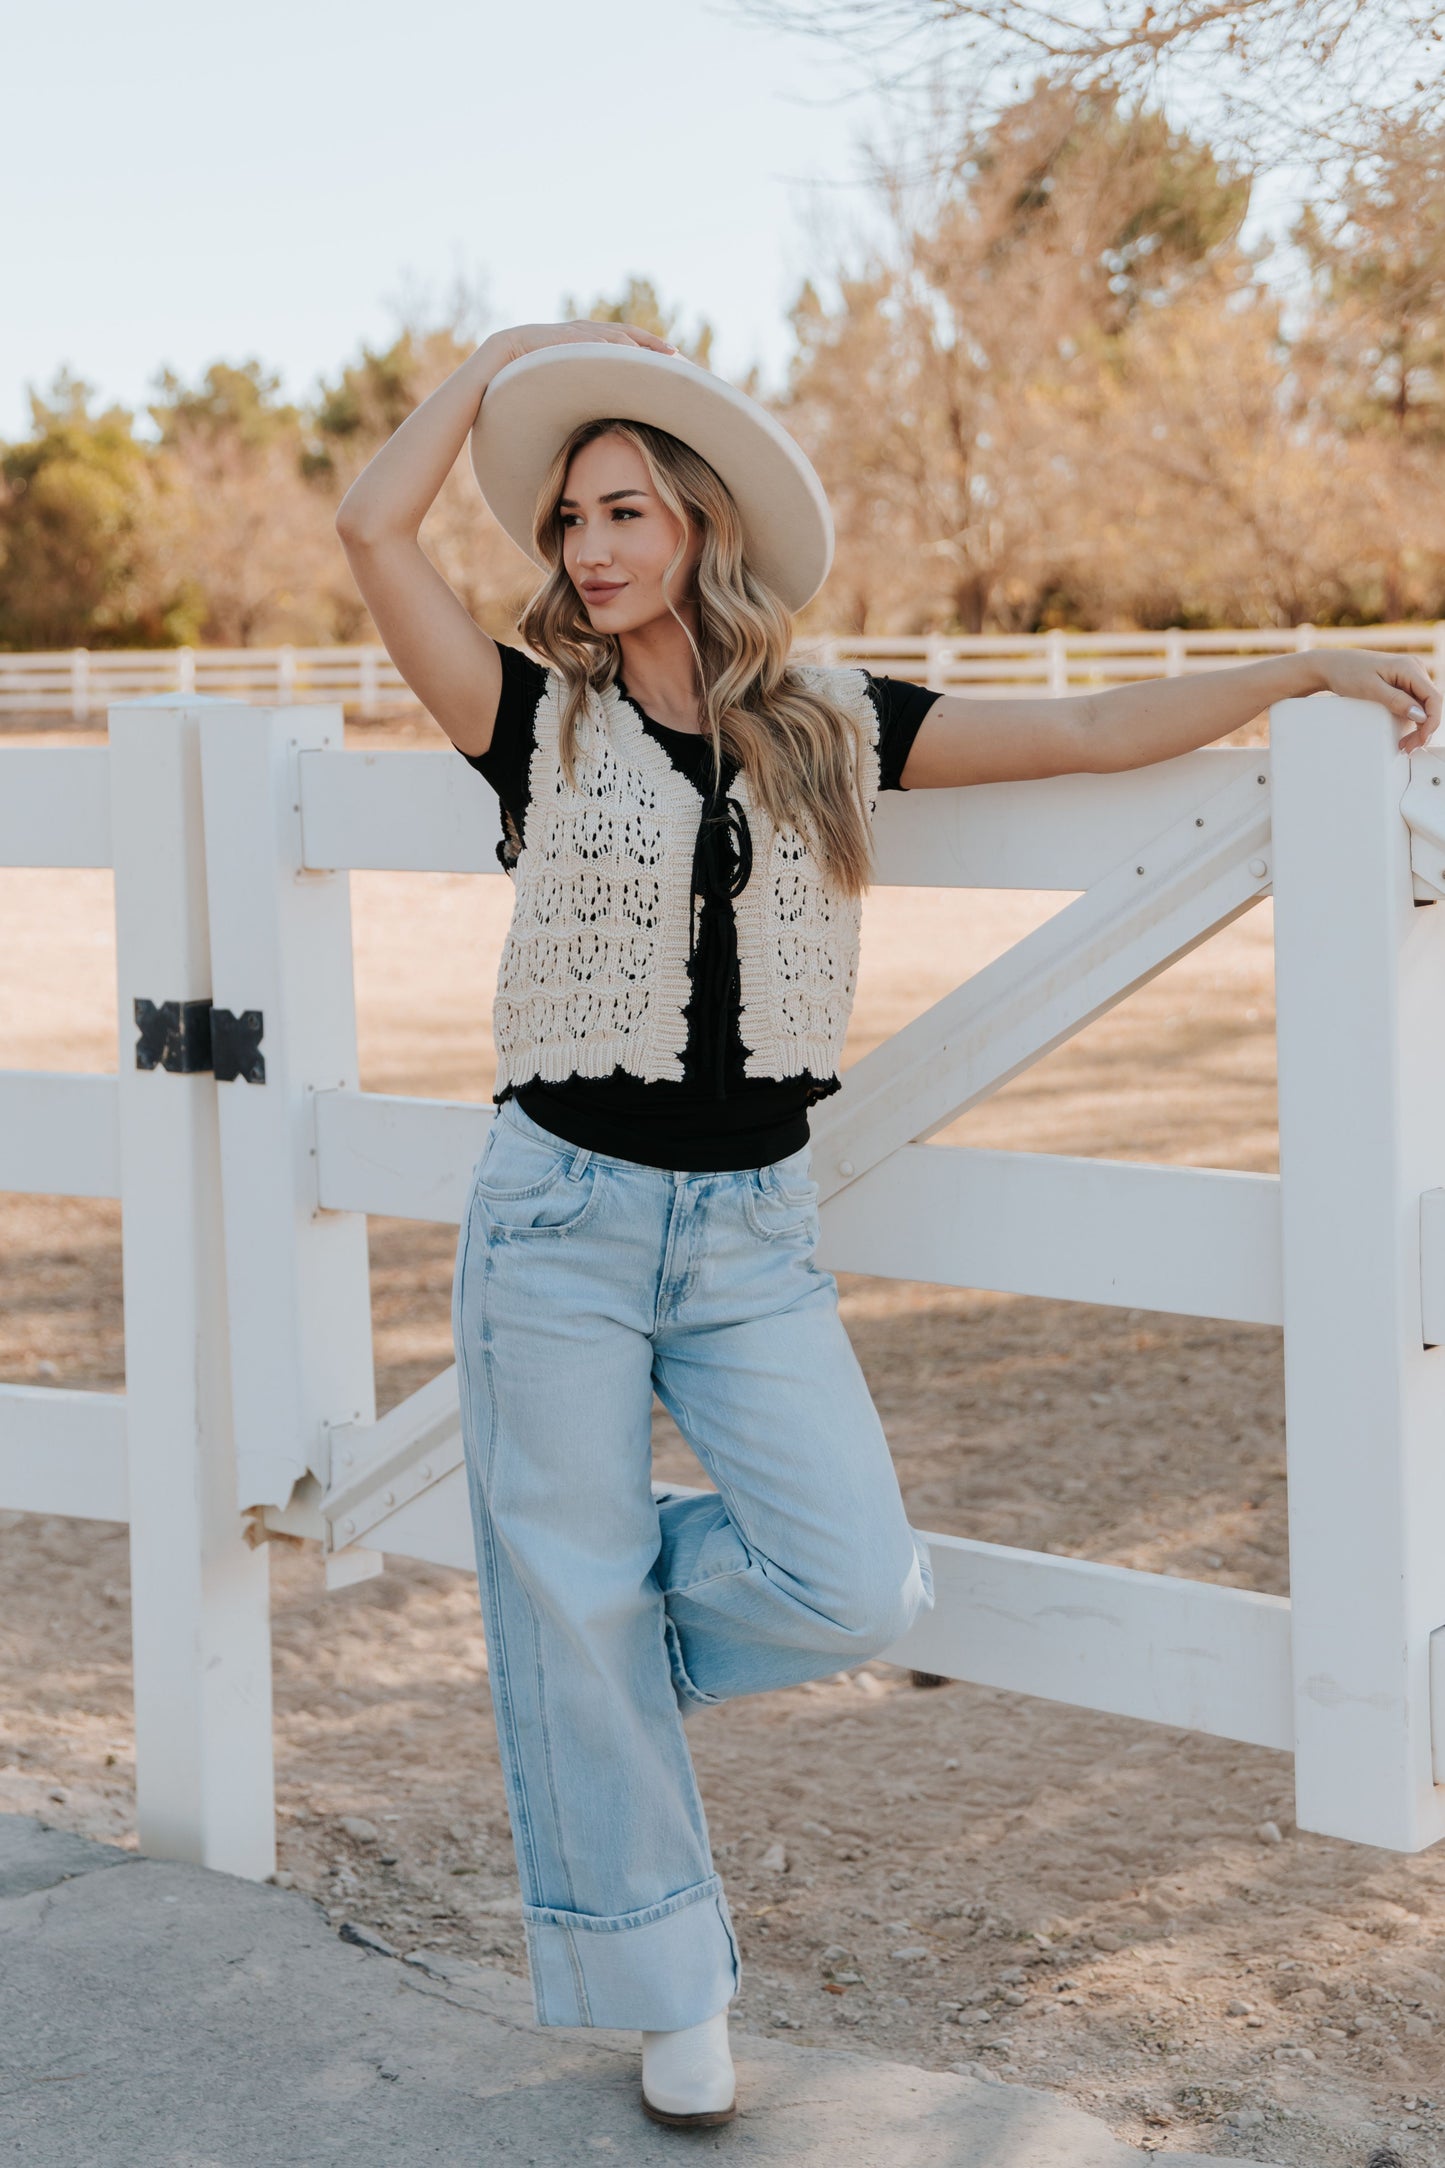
(532, 406)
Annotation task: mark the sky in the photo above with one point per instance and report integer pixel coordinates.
(181, 185)
(187, 184)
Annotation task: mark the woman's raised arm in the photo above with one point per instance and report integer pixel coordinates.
(442, 652)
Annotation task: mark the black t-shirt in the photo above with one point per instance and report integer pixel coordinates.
(713, 1118)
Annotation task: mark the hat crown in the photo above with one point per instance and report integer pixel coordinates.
(532, 406)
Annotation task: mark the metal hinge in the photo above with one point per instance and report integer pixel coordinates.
(1432, 1270)
(185, 1036)
(1423, 806)
(236, 1046)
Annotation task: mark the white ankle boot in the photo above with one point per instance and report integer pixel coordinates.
(687, 2076)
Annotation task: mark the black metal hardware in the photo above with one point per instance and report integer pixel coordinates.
(173, 1035)
(236, 1045)
(185, 1036)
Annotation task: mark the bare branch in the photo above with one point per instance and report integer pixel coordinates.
(1274, 81)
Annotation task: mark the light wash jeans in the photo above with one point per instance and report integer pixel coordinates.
(583, 1283)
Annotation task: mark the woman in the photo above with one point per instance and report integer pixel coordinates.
(686, 816)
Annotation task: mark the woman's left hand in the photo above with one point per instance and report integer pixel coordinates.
(1400, 683)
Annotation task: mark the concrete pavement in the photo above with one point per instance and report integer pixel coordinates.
(154, 2015)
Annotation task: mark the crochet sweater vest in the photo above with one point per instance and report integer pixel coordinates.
(594, 970)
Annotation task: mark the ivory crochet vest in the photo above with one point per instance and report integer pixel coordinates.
(594, 974)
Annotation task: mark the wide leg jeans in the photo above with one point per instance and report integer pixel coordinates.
(583, 1284)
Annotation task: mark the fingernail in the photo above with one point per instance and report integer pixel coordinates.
(1417, 715)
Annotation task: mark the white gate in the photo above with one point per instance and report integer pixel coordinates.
(245, 1187)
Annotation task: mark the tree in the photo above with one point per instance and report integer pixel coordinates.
(1374, 348)
(1277, 80)
(945, 394)
(1202, 499)
(357, 413)
(370, 398)
(239, 405)
(243, 531)
(639, 304)
(76, 560)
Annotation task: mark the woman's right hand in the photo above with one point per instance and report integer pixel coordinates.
(528, 338)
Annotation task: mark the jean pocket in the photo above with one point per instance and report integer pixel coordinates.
(557, 1207)
(524, 1184)
(781, 1200)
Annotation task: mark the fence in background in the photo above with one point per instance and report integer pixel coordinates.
(83, 681)
(247, 1158)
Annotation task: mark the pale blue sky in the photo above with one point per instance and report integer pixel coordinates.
(187, 183)
(183, 184)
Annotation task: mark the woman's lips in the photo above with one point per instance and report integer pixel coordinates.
(602, 590)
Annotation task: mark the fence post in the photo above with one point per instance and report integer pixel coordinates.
(1056, 647)
(80, 684)
(298, 1275)
(369, 660)
(200, 1605)
(1361, 1005)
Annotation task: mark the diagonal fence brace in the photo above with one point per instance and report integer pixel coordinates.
(379, 1467)
(1174, 892)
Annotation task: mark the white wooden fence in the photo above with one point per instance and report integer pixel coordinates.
(246, 1158)
(84, 681)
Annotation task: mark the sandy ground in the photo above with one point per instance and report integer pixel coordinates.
(1120, 1911)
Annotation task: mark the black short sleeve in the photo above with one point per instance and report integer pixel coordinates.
(901, 708)
(507, 762)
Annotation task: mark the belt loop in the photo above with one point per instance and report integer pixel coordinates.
(578, 1167)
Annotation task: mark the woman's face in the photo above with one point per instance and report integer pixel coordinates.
(618, 538)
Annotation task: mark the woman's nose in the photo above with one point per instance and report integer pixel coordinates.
(593, 547)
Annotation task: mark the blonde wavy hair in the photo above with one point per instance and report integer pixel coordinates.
(799, 752)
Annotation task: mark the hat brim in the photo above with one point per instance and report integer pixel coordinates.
(532, 406)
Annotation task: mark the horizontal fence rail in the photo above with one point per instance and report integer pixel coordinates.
(59, 1133)
(402, 811)
(52, 815)
(1200, 1241)
(64, 1452)
(82, 681)
(1190, 1653)
(1062, 662)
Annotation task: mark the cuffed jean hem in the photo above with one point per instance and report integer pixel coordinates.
(670, 1964)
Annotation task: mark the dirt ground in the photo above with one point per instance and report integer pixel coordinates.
(968, 1878)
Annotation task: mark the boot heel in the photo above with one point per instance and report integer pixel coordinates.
(704, 2119)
